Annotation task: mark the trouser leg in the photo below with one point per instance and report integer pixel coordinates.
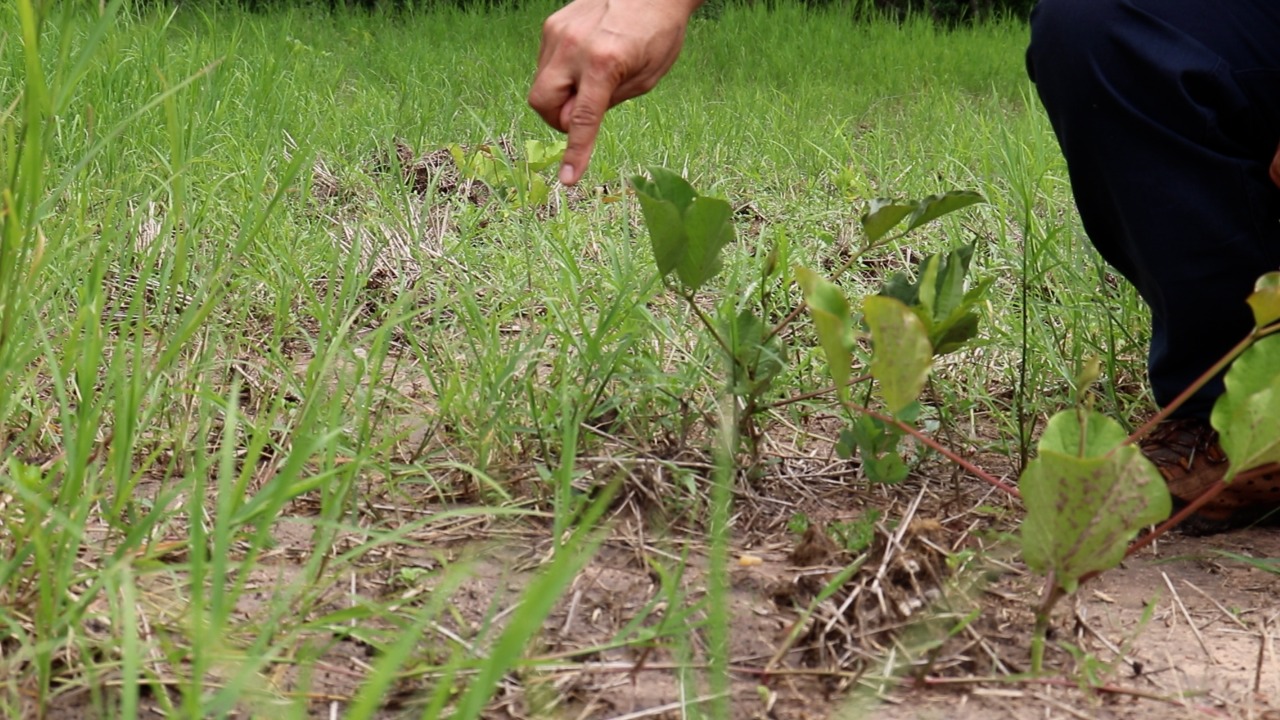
(1168, 114)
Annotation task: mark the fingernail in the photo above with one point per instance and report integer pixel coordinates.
(566, 174)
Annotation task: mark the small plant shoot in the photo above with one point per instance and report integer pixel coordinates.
(875, 443)
(942, 299)
(517, 180)
(756, 360)
(1087, 495)
(909, 321)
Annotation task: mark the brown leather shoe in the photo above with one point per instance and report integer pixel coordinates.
(1188, 455)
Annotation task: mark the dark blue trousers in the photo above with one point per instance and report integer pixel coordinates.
(1168, 114)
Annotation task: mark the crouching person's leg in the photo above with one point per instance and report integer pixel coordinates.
(1169, 116)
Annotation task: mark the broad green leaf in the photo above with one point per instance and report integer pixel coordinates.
(708, 226)
(847, 444)
(686, 231)
(882, 216)
(961, 325)
(1086, 496)
(539, 155)
(644, 186)
(888, 469)
(538, 192)
(950, 281)
(900, 287)
(1265, 299)
(954, 334)
(485, 168)
(833, 322)
(1082, 433)
(901, 354)
(928, 286)
(942, 284)
(940, 298)
(478, 165)
(670, 186)
(935, 206)
(459, 156)
(1247, 415)
(666, 229)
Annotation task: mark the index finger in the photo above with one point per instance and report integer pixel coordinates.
(582, 115)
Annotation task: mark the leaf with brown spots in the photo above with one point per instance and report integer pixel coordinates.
(1087, 495)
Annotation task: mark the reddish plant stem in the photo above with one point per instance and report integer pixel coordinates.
(1191, 508)
(816, 393)
(1200, 382)
(935, 445)
(1186, 394)
(784, 322)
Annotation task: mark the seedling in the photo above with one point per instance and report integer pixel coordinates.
(1088, 492)
(1087, 495)
(517, 180)
(908, 322)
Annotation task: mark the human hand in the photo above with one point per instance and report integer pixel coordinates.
(596, 54)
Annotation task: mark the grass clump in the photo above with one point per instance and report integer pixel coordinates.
(269, 404)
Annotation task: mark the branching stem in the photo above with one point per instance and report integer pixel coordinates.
(936, 446)
(1201, 381)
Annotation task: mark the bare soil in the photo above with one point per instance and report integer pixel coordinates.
(1181, 631)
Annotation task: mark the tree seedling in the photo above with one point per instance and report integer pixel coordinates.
(1088, 492)
(908, 323)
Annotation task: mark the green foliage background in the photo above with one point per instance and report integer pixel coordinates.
(948, 12)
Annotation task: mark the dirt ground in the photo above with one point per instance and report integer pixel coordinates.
(1183, 630)
(1179, 632)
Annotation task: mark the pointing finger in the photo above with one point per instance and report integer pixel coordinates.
(582, 115)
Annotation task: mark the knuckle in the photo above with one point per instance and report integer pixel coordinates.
(553, 27)
(606, 58)
(586, 114)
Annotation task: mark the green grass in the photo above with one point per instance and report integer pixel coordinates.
(188, 356)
